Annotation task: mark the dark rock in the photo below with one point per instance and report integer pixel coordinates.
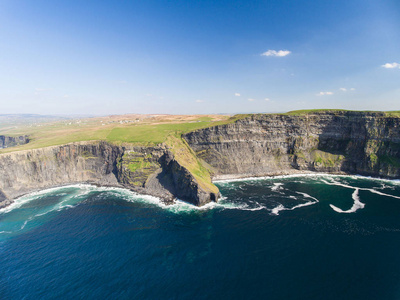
(366, 143)
(9, 141)
(148, 170)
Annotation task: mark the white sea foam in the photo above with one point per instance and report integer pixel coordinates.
(280, 207)
(181, 206)
(383, 194)
(307, 175)
(276, 210)
(277, 186)
(42, 193)
(308, 196)
(356, 206)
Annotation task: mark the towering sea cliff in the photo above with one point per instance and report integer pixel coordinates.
(366, 143)
(149, 170)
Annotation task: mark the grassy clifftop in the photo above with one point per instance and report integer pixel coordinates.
(139, 130)
(146, 130)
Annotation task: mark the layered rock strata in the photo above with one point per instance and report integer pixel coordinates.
(365, 143)
(149, 170)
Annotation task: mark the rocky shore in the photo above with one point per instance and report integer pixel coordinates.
(146, 170)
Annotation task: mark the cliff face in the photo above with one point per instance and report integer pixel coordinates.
(364, 143)
(9, 141)
(150, 170)
(335, 142)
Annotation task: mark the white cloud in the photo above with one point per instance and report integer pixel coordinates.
(66, 96)
(250, 99)
(237, 94)
(346, 89)
(267, 99)
(279, 53)
(149, 95)
(394, 65)
(199, 101)
(324, 93)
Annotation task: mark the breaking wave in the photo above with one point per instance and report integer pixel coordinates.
(270, 194)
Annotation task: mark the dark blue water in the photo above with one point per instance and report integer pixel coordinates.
(319, 237)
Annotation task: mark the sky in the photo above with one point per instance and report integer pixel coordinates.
(198, 57)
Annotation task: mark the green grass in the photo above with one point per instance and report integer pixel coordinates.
(394, 113)
(309, 111)
(188, 159)
(326, 159)
(152, 134)
(140, 134)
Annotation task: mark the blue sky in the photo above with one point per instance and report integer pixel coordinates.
(186, 57)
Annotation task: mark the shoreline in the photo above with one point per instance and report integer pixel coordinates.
(244, 177)
(216, 179)
(7, 202)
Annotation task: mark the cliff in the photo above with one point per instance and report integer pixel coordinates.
(149, 170)
(346, 142)
(9, 141)
(366, 143)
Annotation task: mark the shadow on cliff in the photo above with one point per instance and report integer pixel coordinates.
(345, 138)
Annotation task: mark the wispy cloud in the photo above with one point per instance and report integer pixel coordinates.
(279, 53)
(267, 99)
(237, 94)
(65, 96)
(346, 89)
(393, 65)
(250, 99)
(199, 101)
(325, 93)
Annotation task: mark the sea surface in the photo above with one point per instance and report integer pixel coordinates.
(289, 237)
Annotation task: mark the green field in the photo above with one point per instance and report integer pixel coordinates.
(136, 129)
(120, 129)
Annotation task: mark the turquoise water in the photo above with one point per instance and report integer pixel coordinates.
(295, 237)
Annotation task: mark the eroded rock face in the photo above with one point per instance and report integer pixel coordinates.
(9, 141)
(149, 170)
(334, 142)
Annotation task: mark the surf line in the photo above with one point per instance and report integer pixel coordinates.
(357, 203)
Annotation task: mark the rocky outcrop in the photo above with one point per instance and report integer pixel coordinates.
(9, 141)
(366, 143)
(149, 170)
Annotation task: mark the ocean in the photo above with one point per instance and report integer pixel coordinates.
(288, 237)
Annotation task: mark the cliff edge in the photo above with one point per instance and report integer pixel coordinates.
(149, 170)
(365, 143)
